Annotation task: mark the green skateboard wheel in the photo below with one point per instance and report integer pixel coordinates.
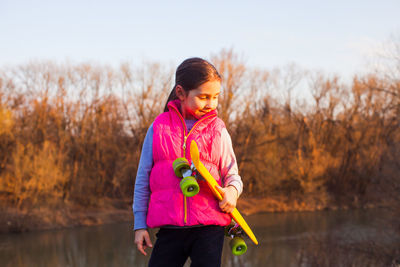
(180, 164)
(189, 186)
(238, 246)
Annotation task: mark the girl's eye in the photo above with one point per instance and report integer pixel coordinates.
(206, 97)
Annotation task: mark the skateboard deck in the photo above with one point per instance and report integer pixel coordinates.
(212, 183)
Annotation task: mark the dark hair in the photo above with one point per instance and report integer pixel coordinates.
(192, 73)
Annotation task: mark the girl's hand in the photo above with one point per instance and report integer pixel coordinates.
(229, 198)
(142, 240)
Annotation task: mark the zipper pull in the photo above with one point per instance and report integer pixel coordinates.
(184, 144)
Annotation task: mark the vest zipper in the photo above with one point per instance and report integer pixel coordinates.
(184, 144)
(185, 215)
(185, 136)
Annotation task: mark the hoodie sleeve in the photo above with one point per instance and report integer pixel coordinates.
(142, 189)
(229, 168)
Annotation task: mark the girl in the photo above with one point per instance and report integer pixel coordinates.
(189, 227)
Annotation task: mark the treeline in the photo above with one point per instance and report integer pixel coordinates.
(341, 142)
(73, 133)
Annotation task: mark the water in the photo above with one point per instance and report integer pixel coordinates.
(283, 240)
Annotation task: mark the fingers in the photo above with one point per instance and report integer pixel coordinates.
(221, 190)
(148, 241)
(228, 202)
(141, 248)
(225, 206)
(142, 240)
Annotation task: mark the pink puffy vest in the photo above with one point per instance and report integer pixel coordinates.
(168, 206)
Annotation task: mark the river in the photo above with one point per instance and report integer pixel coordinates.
(285, 239)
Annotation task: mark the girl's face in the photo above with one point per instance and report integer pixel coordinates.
(197, 102)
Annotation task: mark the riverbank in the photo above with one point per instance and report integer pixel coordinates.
(249, 206)
(13, 220)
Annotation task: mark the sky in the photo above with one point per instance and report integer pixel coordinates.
(333, 36)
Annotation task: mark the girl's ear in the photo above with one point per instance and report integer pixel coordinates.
(180, 92)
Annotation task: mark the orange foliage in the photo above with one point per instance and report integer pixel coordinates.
(74, 133)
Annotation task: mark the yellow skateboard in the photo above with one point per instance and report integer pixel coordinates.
(190, 187)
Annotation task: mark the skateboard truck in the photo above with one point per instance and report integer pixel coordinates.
(196, 174)
(188, 184)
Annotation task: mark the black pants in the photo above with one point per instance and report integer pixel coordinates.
(202, 244)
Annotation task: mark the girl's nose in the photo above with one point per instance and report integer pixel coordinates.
(212, 104)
